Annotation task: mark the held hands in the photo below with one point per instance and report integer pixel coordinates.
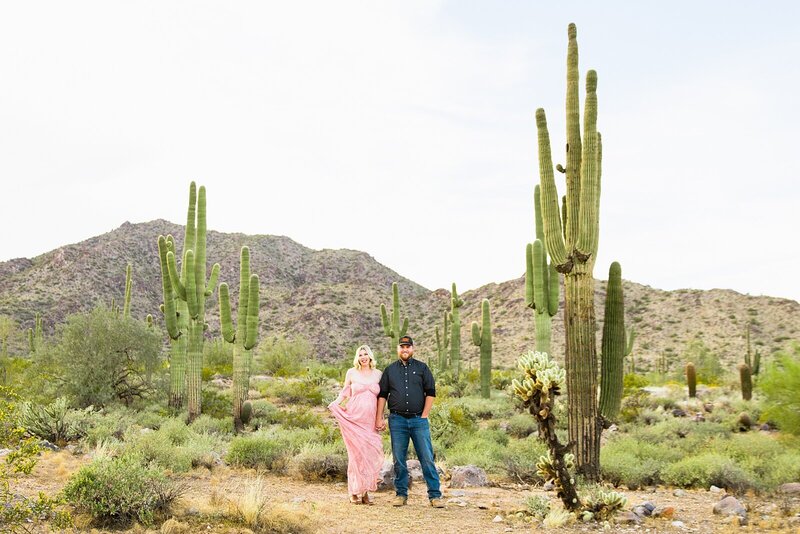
(380, 424)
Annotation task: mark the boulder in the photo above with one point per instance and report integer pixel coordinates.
(790, 487)
(730, 506)
(468, 475)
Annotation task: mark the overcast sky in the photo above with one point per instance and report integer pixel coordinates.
(406, 129)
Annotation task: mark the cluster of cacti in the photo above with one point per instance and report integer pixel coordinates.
(244, 336)
(185, 294)
(662, 365)
(391, 324)
(573, 250)
(541, 281)
(443, 342)
(746, 380)
(691, 379)
(613, 346)
(455, 331)
(36, 334)
(482, 337)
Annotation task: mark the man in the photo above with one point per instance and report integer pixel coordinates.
(409, 387)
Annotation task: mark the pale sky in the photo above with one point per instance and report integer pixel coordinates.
(406, 129)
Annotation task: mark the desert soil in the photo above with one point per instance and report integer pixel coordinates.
(469, 510)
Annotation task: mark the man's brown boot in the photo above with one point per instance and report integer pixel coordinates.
(399, 500)
(437, 503)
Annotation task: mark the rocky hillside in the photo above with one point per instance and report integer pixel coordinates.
(332, 298)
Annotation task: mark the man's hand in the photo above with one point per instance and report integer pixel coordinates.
(380, 424)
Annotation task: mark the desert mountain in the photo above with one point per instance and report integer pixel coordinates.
(332, 298)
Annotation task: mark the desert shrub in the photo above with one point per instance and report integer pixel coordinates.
(217, 358)
(281, 357)
(781, 469)
(205, 424)
(780, 385)
(448, 386)
(707, 365)
(264, 413)
(538, 506)
(633, 404)
(156, 448)
(299, 418)
(320, 461)
(682, 434)
(152, 416)
(175, 430)
(520, 457)
(449, 421)
(522, 425)
(269, 449)
(298, 392)
(106, 425)
(217, 403)
(501, 378)
(632, 382)
(120, 490)
(708, 468)
(498, 407)
(102, 358)
(51, 422)
(484, 449)
(633, 463)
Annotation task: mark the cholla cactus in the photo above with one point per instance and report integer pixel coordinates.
(542, 381)
(601, 504)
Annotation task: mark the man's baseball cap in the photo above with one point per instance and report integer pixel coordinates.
(406, 340)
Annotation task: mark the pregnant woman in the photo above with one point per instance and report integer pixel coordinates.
(356, 420)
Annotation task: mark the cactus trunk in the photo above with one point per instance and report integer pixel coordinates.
(691, 379)
(482, 337)
(455, 331)
(391, 325)
(613, 347)
(746, 380)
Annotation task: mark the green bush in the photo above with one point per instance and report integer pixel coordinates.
(484, 449)
(105, 425)
(780, 385)
(498, 407)
(281, 357)
(709, 468)
(174, 446)
(120, 490)
(205, 424)
(298, 392)
(538, 506)
(52, 422)
(626, 461)
(520, 457)
(522, 425)
(451, 421)
(270, 449)
(217, 403)
(501, 378)
(217, 358)
(707, 365)
(320, 462)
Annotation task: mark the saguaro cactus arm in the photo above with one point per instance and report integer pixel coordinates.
(212, 280)
(226, 324)
(170, 313)
(252, 313)
(178, 287)
(551, 219)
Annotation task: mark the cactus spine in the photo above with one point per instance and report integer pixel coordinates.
(443, 342)
(245, 335)
(541, 281)
(691, 379)
(613, 346)
(482, 337)
(455, 331)
(190, 288)
(746, 380)
(574, 250)
(391, 325)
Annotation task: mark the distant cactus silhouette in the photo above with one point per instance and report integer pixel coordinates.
(691, 379)
(482, 337)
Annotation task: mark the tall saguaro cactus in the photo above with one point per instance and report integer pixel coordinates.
(541, 282)
(691, 379)
(245, 336)
(574, 250)
(482, 337)
(185, 292)
(455, 331)
(126, 310)
(36, 334)
(613, 346)
(746, 380)
(391, 325)
(443, 342)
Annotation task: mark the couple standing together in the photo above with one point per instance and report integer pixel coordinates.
(408, 387)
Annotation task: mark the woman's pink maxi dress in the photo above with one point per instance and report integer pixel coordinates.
(363, 442)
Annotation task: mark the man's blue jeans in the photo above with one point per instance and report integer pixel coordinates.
(418, 430)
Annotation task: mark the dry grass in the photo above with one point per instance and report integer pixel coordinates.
(250, 505)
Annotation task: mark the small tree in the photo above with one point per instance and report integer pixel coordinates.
(780, 385)
(102, 358)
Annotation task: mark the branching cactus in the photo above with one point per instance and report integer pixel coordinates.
(541, 281)
(186, 291)
(245, 335)
(391, 325)
(443, 342)
(753, 360)
(573, 249)
(746, 379)
(482, 337)
(36, 334)
(630, 338)
(691, 379)
(613, 346)
(455, 331)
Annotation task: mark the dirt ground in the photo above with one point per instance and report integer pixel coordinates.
(472, 510)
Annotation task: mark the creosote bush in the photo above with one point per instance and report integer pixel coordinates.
(320, 462)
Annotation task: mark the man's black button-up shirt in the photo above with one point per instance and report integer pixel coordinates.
(406, 386)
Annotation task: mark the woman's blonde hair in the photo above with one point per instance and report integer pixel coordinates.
(357, 364)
